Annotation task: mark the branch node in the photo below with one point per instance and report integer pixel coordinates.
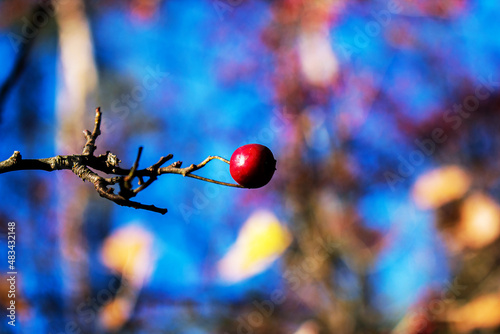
(16, 156)
(112, 160)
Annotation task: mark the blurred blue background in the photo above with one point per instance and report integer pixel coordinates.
(341, 92)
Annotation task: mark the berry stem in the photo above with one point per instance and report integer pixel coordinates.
(204, 162)
(214, 181)
(187, 172)
(221, 159)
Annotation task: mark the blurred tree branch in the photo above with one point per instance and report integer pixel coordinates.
(108, 163)
(19, 65)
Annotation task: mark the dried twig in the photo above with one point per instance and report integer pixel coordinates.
(84, 164)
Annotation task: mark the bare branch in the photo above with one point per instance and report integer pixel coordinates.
(101, 185)
(83, 165)
(21, 62)
(16, 162)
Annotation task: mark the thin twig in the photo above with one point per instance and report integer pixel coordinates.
(154, 173)
(128, 179)
(90, 147)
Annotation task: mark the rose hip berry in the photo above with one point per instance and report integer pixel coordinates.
(252, 165)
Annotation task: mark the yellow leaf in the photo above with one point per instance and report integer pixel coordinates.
(128, 251)
(260, 241)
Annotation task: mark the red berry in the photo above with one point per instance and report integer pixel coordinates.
(252, 165)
